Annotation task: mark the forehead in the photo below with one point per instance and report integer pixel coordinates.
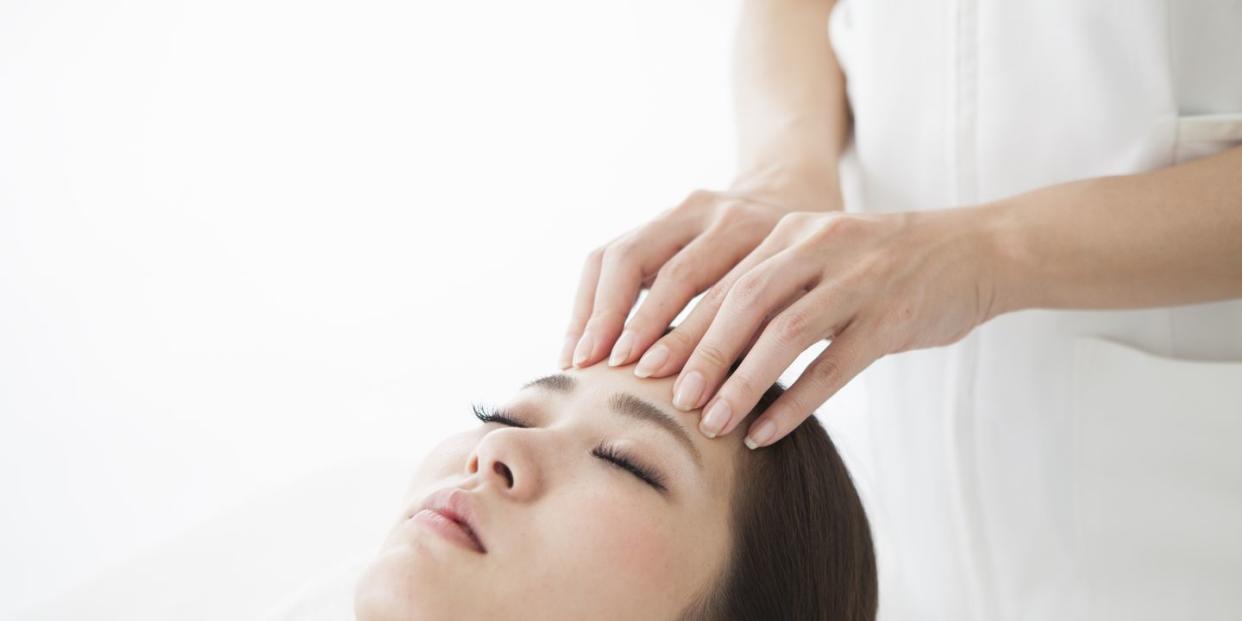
(604, 380)
(597, 383)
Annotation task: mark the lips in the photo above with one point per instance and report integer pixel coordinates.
(456, 504)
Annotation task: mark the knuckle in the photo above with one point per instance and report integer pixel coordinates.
(641, 324)
(743, 386)
(794, 220)
(715, 294)
(712, 355)
(699, 195)
(696, 202)
(795, 406)
(837, 225)
(656, 308)
(831, 226)
(605, 315)
(678, 341)
(824, 372)
(622, 251)
(747, 290)
(676, 272)
(793, 327)
(735, 212)
(742, 220)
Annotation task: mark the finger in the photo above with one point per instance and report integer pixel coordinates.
(846, 357)
(705, 260)
(808, 320)
(783, 240)
(623, 267)
(780, 308)
(748, 302)
(671, 351)
(583, 300)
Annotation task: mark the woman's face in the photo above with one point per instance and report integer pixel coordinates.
(567, 534)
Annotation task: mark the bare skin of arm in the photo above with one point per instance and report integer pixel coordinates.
(1161, 238)
(791, 111)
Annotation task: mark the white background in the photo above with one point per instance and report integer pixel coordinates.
(244, 241)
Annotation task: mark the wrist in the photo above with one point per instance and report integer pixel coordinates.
(1004, 256)
(798, 185)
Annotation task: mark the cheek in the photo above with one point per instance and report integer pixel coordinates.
(638, 541)
(626, 539)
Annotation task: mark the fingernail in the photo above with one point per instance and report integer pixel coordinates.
(689, 390)
(761, 434)
(651, 361)
(584, 348)
(715, 419)
(621, 350)
(567, 350)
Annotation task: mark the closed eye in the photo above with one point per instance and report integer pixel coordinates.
(606, 453)
(620, 459)
(488, 415)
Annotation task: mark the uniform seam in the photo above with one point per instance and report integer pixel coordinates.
(1174, 77)
(975, 551)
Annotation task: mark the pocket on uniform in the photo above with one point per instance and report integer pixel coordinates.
(1158, 483)
(1205, 134)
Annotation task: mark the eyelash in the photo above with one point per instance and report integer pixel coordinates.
(607, 453)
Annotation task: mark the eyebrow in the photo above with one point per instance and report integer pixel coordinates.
(629, 405)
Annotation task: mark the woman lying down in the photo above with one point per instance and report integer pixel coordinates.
(589, 496)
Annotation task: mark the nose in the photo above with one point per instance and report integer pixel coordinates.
(504, 460)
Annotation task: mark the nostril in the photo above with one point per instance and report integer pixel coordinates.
(504, 470)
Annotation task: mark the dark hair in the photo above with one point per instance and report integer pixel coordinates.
(801, 547)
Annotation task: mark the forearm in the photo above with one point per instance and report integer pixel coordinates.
(1161, 238)
(789, 96)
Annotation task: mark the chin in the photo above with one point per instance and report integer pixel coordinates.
(400, 586)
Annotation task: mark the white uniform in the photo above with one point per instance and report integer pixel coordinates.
(1060, 465)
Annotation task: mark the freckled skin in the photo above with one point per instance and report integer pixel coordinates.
(573, 537)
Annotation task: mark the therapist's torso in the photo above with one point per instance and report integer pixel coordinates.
(1053, 464)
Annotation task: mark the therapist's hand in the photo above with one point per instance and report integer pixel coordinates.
(873, 283)
(680, 253)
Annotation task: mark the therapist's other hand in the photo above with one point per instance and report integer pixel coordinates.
(875, 284)
(678, 254)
